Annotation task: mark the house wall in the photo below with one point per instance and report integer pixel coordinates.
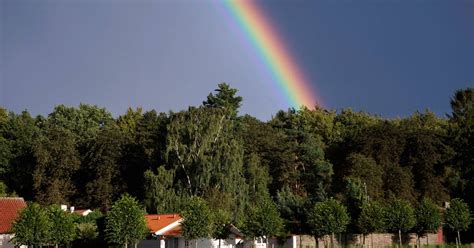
(378, 240)
(207, 243)
(5, 241)
(181, 243)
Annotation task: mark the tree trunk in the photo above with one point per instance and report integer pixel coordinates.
(400, 236)
(219, 243)
(332, 240)
(427, 239)
(316, 241)
(56, 245)
(363, 240)
(459, 238)
(372, 240)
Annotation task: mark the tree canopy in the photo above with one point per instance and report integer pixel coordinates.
(126, 222)
(86, 157)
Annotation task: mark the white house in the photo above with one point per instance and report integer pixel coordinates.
(165, 230)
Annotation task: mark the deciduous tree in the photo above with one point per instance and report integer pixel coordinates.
(428, 218)
(328, 217)
(63, 229)
(400, 217)
(125, 222)
(197, 219)
(458, 217)
(33, 227)
(371, 219)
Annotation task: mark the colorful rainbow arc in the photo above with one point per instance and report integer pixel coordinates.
(271, 49)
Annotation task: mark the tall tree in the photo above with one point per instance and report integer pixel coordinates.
(224, 98)
(125, 222)
(22, 132)
(160, 196)
(101, 175)
(205, 152)
(305, 169)
(462, 134)
(292, 209)
(84, 122)
(427, 153)
(257, 178)
(57, 161)
(368, 172)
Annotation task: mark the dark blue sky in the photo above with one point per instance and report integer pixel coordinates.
(382, 56)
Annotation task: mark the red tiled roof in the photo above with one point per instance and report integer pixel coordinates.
(10, 207)
(157, 222)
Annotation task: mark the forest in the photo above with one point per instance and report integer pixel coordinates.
(85, 157)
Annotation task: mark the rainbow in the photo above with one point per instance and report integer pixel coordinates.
(265, 39)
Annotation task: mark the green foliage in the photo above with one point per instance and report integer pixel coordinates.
(222, 221)
(303, 166)
(63, 229)
(57, 161)
(125, 222)
(225, 98)
(84, 122)
(462, 104)
(458, 216)
(290, 205)
(462, 140)
(197, 219)
(92, 217)
(205, 153)
(104, 182)
(21, 131)
(87, 231)
(371, 218)
(3, 189)
(366, 170)
(33, 226)
(257, 178)
(160, 196)
(84, 157)
(400, 216)
(269, 218)
(263, 220)
(328, 217)
(428, 217)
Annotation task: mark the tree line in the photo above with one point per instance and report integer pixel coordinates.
(236, 163)
(125, 223)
